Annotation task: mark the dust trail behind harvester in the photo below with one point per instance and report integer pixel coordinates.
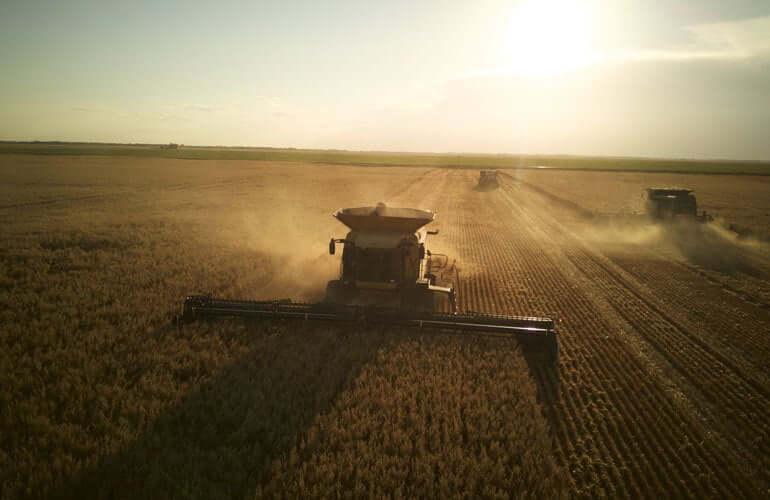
(624, 232)
(713, 247)
(294, 249)
(291, 235)
(720, 226)
(709, 245)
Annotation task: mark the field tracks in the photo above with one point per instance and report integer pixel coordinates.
(130, 193)
(616, 430)
(590, 216)
(584, 335)
(736, 395)
(689, 292)
(57, 200)
(661, 388)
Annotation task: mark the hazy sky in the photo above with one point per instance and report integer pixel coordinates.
(621, 77)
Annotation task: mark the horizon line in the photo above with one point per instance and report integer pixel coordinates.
(398, 152)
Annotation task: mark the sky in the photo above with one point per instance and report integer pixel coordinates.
(623, 77)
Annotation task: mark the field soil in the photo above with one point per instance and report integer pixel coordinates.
(661, 388)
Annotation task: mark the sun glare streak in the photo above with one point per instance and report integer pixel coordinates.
(549, 36)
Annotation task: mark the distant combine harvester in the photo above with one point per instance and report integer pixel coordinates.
(170, 145)
(671, 203)
(488, 179)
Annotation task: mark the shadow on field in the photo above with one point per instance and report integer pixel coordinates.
(220, 440)
(485, 189)
(546, 375)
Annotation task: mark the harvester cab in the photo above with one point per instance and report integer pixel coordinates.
(488, 179)
(386, 278)
(385, 261)
(667, 204)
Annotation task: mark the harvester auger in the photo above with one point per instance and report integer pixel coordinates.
(386, 278)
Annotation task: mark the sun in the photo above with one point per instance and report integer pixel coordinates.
(549, 36)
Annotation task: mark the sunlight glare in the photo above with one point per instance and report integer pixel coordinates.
(549, 36)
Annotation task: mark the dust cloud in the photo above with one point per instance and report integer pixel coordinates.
(633, 232)
(287, 230)
(710, 246)
(713, 247)
(294, 251)
(720, 226)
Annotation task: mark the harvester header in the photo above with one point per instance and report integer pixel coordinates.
(387, 277)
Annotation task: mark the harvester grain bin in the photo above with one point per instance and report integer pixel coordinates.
(488, 179)
(387, 277)
(671, 203)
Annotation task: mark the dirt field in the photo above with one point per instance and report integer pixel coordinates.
(662, 387)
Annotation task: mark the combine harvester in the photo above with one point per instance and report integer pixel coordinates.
(488, 180)
(387, 278)
(665, 204)
(672, 207)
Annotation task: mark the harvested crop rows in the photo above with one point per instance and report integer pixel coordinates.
(740, 200)
(623, 427)
(730, 386)
(738, 325)
(736, 392)
(661, 388)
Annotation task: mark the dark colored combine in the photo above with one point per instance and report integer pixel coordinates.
(387, 278)
(664, 204)
(488, 180)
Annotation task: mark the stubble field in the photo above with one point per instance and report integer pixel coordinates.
(661, 388)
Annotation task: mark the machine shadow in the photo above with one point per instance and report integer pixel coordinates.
(220, 440)
(546, 375)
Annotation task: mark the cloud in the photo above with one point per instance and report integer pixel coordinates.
(267, 101)
(83, 109)
(693, 54)
(202, 109)
(725, 41)
(171, 117)
(729, 40)
(750, 37)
